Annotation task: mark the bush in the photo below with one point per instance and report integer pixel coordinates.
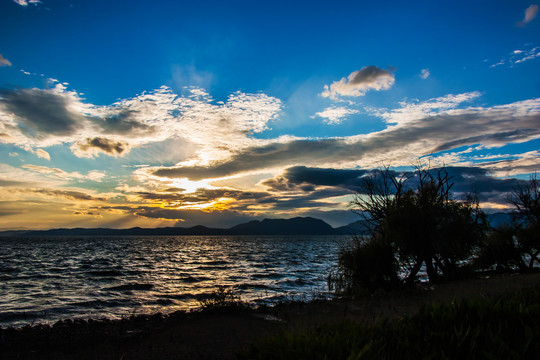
(221, 299)
(499, 250)
(515, 246)
(366, 265)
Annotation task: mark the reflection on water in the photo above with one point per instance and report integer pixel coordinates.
(48, 279)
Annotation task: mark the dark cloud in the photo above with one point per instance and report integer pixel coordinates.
(108, 146)
(359, 82)
(124, 123)
(201, 195)
(505, 137)
(338, 182)
(515, 166)
(322, 176)
(307, 179)
(88, 213)
(368, 75)
(10, 212)
(68, 194)
(41, 113)
(298, 202)
(5, 183)
(254, 158)
(479, 181)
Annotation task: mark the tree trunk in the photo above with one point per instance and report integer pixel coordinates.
(409, 281)
(431, 272)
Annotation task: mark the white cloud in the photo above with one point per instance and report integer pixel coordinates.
(95, 175)
(420, 129)
(56, 173)
(26, 2)
(335, 114)
(411, 111)
(4, 61)
(526, 163)
(519, 56)
(530, 15)
(44, 117)
(424, 74)
(43, 154)
(28, 177)
(359, 82)
(528, 55)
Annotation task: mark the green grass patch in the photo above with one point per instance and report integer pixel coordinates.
(503, 328)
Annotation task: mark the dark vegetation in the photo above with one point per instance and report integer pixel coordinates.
(415, 223)
(515, 246)
(504, 328)
(222, 299)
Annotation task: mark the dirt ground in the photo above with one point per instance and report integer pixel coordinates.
(220, 335)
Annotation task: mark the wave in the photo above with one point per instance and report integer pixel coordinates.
(133, 286)
(105, 273)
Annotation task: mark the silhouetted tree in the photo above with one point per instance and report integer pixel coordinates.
(526, 214)
(515, 246)
(417, 216)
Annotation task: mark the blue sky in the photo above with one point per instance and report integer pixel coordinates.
(166, 113)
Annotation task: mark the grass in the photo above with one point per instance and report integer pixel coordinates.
(503, 328)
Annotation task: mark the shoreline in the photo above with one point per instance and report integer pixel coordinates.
(219, 334)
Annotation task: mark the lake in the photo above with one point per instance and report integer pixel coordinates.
(43, 280)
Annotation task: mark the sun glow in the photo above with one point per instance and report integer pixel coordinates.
(216, 205)
(190, 186)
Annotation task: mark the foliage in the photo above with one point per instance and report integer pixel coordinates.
(221, 299)
(364, 264)
(417, 217)
(499, 249)
(526, 202)
(515, 246)
(506, 328)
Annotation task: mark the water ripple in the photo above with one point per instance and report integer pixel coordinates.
(47, 279)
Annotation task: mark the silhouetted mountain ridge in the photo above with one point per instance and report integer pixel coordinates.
(293, 226)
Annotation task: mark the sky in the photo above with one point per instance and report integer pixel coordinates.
(173, 113)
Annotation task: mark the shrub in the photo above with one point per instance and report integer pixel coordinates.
(221, 299)
(515, 246)
(366, 265)
(499, 250)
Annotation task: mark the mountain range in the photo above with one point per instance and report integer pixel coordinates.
(294, 226)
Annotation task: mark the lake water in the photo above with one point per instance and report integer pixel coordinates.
(43, 280)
